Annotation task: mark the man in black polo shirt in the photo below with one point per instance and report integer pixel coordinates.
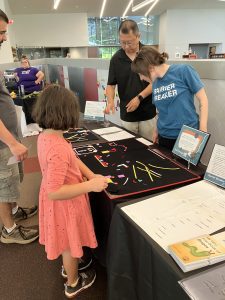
(136, 109)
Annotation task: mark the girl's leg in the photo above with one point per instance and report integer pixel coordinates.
(70, 265)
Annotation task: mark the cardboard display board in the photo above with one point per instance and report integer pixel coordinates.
(132, 167)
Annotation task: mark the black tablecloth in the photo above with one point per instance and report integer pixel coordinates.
(27, 106)
(102, 210)
(138, 269)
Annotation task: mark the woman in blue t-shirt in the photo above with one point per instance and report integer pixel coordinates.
(173, 91)
(29, 77)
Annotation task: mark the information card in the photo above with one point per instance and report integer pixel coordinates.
(215, 172)
(94, 110)
(190, 144)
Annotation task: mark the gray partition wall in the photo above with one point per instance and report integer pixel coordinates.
(88, 79)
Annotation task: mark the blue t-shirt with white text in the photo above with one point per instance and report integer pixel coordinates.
(173, 96)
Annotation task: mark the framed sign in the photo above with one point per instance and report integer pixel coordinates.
(190, 144)
(94, 110)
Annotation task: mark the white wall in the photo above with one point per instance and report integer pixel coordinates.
(11, 27)
(5, 51)
(51, 30)
(162, 31)
(81, 52)
(215, 90)
(189, 26)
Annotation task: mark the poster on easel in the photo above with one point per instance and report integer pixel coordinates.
(190, 144)
(94, 110)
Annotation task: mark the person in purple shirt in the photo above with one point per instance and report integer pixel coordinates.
(29, 77)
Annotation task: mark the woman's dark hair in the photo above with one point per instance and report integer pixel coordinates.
(146, 58)
(128, 26)
(57, 108)
(3, 17)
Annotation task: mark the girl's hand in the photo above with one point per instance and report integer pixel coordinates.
(98, 184)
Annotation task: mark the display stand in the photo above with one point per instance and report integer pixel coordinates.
(190, 144)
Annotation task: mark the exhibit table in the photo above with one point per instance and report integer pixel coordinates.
(138, 268)
(103, 204)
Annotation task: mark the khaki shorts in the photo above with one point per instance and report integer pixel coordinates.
(9, 178)
(144, 128)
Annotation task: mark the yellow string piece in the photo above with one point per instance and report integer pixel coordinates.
(163, 168)
(135, 174)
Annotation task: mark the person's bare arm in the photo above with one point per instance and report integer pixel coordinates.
(16, 76)
(203, 108)
(40, 76)
(17, 149)
(110, 94)
(85, 171)
(135, 102)
(70, 191)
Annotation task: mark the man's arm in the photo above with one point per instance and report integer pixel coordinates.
(147, 91)
(17, 149)
(135, 102)
(110, 94)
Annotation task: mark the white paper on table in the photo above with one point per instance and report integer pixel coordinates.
(120, 135)
(144, 141)
(220, 237)
(107, 130)
(181, 214)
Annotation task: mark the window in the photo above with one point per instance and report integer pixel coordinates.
(104, 32)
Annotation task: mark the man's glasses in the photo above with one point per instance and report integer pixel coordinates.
(128, 43)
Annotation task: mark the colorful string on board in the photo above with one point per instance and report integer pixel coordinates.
(126, 181)
(162, 168)
(135, 174)
(150, 173)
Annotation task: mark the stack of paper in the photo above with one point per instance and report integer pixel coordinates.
(113, 133)
(187, 212)
(107, 130)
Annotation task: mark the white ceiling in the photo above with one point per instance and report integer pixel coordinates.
(113, 7)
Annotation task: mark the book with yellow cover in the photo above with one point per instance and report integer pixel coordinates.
(197, 253)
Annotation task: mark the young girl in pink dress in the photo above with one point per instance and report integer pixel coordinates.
(65, 219)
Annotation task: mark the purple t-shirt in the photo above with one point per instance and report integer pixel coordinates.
(27, 78)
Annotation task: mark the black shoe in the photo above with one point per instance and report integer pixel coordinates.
(85, 280)
(24, 213)
(83, 265)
